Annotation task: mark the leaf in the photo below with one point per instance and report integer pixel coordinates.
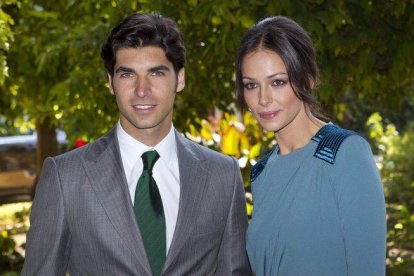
(230, 141)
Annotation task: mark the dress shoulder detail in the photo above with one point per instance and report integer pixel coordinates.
(329, 139)
(259, 166)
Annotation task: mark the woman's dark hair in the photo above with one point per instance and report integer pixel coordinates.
(140, 30)
(292, 43)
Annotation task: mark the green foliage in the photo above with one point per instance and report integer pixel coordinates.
(396, 152)
(10, 259)
(50, 67)
(55, 64)
(6, 37)
(57, 67)
(14, 222)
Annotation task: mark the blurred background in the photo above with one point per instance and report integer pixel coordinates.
(54, 94)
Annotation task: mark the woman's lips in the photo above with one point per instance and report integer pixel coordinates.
(268, 115)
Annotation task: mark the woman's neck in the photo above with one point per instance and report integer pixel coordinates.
(298, 134)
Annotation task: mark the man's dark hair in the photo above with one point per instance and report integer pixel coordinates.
(140, 30)
(291, 42)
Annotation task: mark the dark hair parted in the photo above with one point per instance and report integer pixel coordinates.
(294, 46)
(140, 30)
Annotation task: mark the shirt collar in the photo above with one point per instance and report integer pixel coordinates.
(133, 149)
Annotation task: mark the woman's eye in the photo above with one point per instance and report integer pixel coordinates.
(249, 85)
(278, 82)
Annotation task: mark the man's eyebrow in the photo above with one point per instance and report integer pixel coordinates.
(124, 70)
(159, 68)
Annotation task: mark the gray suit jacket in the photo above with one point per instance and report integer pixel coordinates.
(83, 222)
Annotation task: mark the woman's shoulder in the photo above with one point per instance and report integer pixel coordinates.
(344, 148)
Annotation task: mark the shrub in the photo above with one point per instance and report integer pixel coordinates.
(396, 163)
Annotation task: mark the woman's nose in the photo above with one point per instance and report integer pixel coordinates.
(265, 96)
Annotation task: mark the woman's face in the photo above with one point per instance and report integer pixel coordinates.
(267, 91)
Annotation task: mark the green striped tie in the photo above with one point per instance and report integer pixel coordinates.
(150, 214)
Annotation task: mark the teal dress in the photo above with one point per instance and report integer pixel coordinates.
(319, 210)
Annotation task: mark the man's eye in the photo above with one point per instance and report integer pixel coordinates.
(158, 73)
(125, 75)
(249, 85)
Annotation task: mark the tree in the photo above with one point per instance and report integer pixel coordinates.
(54, 60)
(6, 38)
(53, 76)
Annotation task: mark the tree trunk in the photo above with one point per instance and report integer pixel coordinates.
(46, 145)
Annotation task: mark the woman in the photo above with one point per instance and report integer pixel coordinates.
(318, 202)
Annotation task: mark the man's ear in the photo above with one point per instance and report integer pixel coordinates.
(180, 80)
(111, 88)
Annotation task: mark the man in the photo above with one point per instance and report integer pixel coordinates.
(141, 200)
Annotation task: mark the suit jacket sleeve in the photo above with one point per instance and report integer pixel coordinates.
(48, 237)
(232, 257)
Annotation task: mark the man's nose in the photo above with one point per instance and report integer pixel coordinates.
(142, 87)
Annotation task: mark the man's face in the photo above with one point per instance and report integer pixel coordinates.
(145, 84)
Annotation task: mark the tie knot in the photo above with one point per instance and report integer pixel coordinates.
(149, 158)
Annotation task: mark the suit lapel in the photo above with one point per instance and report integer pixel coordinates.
(103, 166)
(193, 175)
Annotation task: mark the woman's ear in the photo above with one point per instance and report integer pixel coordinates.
(312, 83)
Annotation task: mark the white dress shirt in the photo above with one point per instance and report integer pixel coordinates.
(165, 172)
